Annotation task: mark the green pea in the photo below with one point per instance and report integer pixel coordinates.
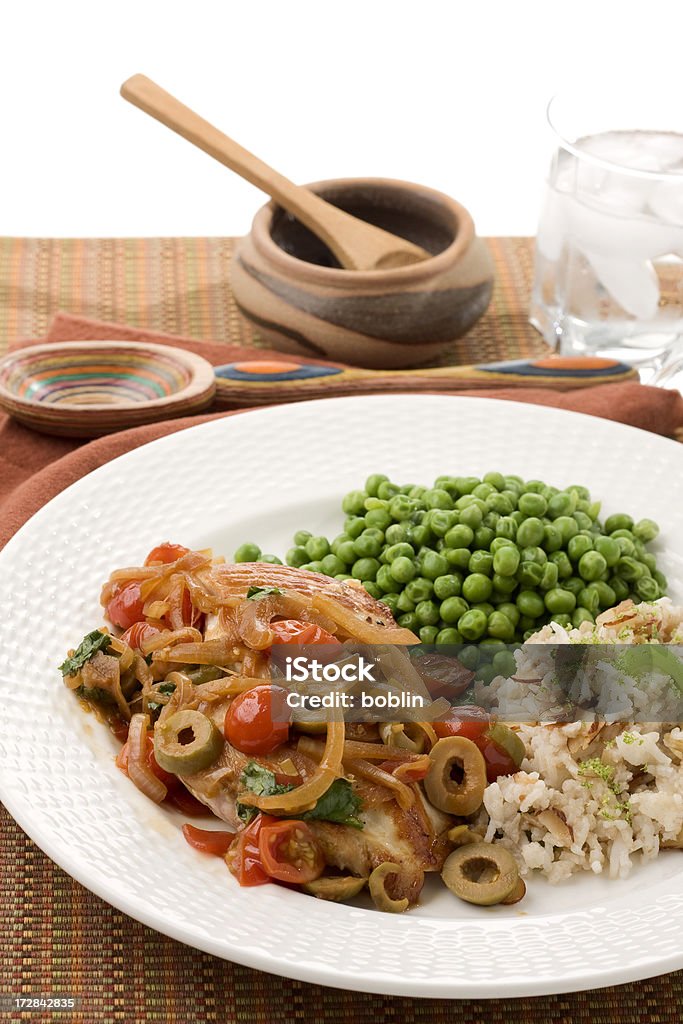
(346, 552)
(457, 558)
(580, 615)
(372, 483)
(530, 532)
(354, 526)
(559, 601)
(528, 625)
(437, 498)
(589, 599)
(372, 589)
(448, 483)
(427, 613)
(428, 634)
(384, 580)
(486, 674)
(562, 504)
(645, 530)
(640, 549)
(661, 581)
(649, 560)
(550, 576)
(499, 626)
(506, 560)
(581, 491)
(583, 521)
(630, 569)
(248, 553)
(496, 480)
(483, 490)
(564, 620)
(625, 545)
(482, 562)
(419, 589)
(378, 518)
(530, 603)
(368, 544)
(517, 517)
(466, 484)
(609, 548)
(578, 546)
(618, 521)
(452, 609)
(536, 486)
(534, 554)
(564, 566)
(501, 542)
(567, 526)
(409, 621)
(469, 657)
(441, 520)
(301, 537)
(404, 604)
(606, 595)
(532, 505)
(504, 585)
(552, 538)
(449, 636)
(416, 492)
(594, 510)
(511, 610)
(476, 587)
(331, 565)
(271, 559)
(504, 662)
(402, 569)
(448, 586)
(620, 587)
(490, 520)
(353, 504)
(506, 527)
(401, 550)
(433, 565)
(482, 538)
(390, 600)
(460, 536)
(472, 625)
(647, 588)
(365, 569)
(529, 574)
(372, 504)
(515, 479)
(313, 567)
(499, 503)
(397, 533)
(296, 557)
(472, 517)
(574, 584)
(420, 535)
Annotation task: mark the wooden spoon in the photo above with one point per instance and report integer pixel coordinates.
(356, 244)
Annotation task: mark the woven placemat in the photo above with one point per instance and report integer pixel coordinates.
(182, 286)
(56, 938)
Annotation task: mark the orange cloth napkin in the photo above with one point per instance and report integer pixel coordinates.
(34, 468)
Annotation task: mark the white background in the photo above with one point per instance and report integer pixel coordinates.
(444, 92)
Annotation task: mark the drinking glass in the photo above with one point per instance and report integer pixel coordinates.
(609, 250)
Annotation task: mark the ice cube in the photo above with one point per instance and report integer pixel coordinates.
(633, 284)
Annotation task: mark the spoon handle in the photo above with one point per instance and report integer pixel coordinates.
(319, 216)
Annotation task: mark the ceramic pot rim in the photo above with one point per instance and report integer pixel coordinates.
(353, 279)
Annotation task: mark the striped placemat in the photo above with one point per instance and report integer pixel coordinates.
(56, 938)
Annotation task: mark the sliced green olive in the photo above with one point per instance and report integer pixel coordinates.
(517, 894)
(407, 736)
(336, 888)
(456, 780)
(509, 741)
(380, 896)
(482, 873)
(186, 742)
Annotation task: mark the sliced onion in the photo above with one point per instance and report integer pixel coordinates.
(355, 623)
(365, 770)
(304, 797)
(254, 617)
(377, 752)
(139, 772)
(211, 652)
(168, 637)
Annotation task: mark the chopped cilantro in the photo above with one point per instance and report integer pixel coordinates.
(254, 593)
(338, 804)
(261, 781)
(167, 688)
(88, 648)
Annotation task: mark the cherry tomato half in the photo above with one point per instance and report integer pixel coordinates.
(125, 607)
(293, 631)
(166, 553)
(138, 632)
(408, 774)
(208, 841)
(171, 782)
(498, 761)
(290, 852)
(249, 722)
(244, 858)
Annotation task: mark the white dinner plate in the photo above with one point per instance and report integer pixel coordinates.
(260, 476)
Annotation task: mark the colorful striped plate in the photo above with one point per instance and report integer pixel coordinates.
(90, 388)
